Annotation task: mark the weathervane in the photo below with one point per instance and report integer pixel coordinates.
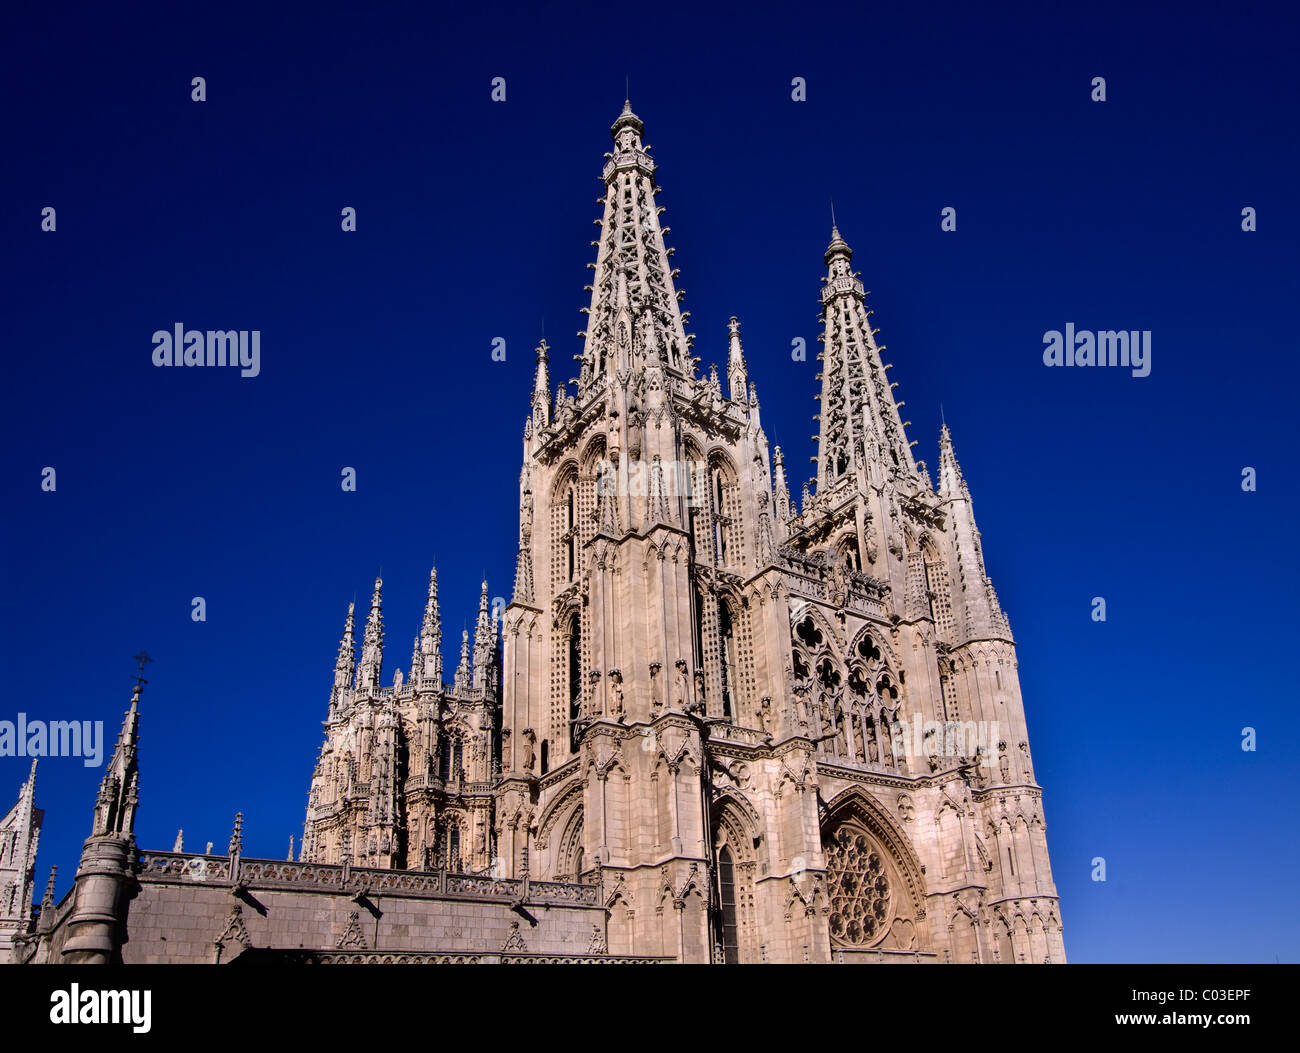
(143, 659)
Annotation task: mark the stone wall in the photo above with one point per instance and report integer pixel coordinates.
(209, 909)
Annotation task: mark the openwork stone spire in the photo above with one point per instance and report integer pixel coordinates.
(861, 435)
(120, 788)
(431, 633)
(982, 615)
(737, 378)
(463, 670)
(634, 304)
(541, 387)
(344, 664)
(372, 645)
(484, 641)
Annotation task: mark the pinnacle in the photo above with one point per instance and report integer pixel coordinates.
(837, 246)
(627, 119)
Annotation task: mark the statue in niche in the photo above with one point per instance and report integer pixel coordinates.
(1029, 769)
(529, 756)
(697, 706)
(616, 695)
(682, 691)
(656, 703)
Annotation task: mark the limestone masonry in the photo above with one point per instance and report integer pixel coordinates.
(711, 726)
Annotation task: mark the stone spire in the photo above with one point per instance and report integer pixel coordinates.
(119, 789)
(782, 488)
(983, 617)
(634, 303)
(737, 378)
(463, 673)
(541, 388)
(372, 644)
(484, 642)
(20, 831)
(431, 633)
(47, 900)
(346, 661)
(861, 434)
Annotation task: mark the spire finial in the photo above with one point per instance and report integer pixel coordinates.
(832, 213)
(142, 659)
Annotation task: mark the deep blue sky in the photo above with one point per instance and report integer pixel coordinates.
(474, 223)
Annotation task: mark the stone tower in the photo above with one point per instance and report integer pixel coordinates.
(106, 872)
(762, 731)
(767, 733)
(20, 832)
(404, 778)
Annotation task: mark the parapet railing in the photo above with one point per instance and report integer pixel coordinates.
(184, 868)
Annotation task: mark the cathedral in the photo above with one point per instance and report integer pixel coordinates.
(712, 724)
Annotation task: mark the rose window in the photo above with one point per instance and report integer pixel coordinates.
(859, 888)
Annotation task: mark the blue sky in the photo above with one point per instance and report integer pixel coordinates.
(474, 222)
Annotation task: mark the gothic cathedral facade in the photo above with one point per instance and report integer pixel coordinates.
(764, 732)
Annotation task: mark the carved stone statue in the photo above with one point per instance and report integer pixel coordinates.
(530, 757)
(616, 695)
(656, 689)
(681, 686)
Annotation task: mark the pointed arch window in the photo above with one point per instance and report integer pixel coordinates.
(575, 680)
(727, 651)
(453, 847)
(727, 903)
(571, 535)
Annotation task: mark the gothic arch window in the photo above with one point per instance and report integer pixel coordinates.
(453, 848)
(861, 886)
(730, 935)
(723, 500)
(575, 680)
(571, 503)
(727, 649)
(736, 853)
(546, 756)
(566, 516)
(699, 624)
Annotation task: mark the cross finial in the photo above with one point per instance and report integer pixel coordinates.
(142, 659)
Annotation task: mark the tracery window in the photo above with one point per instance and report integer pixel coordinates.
(727, 903)
(575, 681)
(728, 652)
(860, 891)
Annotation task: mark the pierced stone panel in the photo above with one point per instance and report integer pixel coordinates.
(861, 887)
